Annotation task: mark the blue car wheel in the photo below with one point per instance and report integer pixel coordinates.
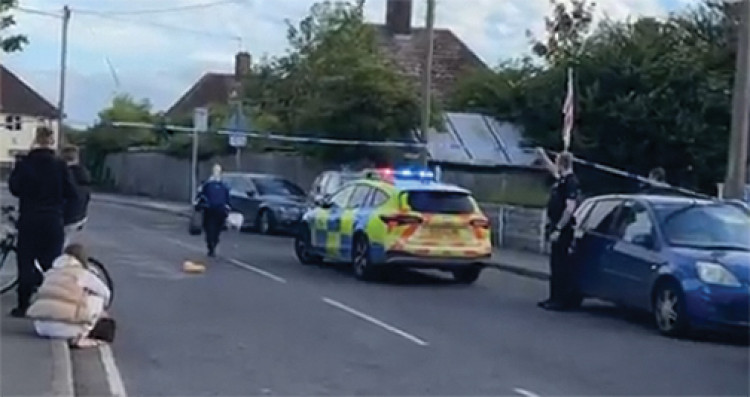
(669, 309)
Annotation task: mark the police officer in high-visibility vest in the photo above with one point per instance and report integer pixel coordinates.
(563, 200)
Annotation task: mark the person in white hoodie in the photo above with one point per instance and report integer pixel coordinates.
(71, 299)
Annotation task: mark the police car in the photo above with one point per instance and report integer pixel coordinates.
(397, 218)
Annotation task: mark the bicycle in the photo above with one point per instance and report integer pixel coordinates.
(9, 255)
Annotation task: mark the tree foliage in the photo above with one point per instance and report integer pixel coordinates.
(334, 83)
(566, 29)
(649, 93)
(12, 42)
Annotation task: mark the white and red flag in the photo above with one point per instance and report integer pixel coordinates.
(569, 111)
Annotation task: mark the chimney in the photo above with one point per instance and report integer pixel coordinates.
(398, 16)
(242, 64)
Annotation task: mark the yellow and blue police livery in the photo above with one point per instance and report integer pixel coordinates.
(400, 218)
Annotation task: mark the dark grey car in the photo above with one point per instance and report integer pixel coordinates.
(268, 203)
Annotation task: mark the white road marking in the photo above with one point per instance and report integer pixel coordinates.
(116, 387)
(256, 270)
(375, 321)
(525, 392)
(183, 244)
(235, 262)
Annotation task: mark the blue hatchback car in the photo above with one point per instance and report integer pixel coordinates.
(685, 260)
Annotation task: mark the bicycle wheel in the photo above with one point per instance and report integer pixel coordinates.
(8, 269)
(98, 268)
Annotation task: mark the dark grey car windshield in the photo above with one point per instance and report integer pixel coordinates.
(705, 226)
(277, 187)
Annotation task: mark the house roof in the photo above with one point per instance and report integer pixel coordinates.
(211, 88)
(476, 139)
(452, 58)
(17, 97)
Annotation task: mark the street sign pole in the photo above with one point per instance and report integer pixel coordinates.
(200, 124)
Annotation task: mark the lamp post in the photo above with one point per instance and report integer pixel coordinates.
(736, 178)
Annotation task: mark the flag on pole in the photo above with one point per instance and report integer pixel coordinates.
(568, 111)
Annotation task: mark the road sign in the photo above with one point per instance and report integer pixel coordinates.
(200, 119)
(237, 140)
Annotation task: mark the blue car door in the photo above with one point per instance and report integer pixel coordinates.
(635, 257)
(591, 245)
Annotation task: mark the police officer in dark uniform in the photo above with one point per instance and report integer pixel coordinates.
(562, 203)
(213, 200)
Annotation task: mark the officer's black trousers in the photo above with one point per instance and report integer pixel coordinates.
(213, 223)
(561, 271)
(40, 239)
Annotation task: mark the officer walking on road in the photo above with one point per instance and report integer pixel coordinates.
(563, 200)
(43, 185)
(213, 199)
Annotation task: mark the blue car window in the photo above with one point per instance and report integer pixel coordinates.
(633, 221)
(706, 226)
(601, 216)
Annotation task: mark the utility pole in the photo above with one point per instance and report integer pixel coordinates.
(427, 77)
(736, 178)
(63, 70)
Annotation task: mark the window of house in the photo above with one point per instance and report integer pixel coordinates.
(13, 122)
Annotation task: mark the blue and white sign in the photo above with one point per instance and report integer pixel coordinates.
(237, 140)
(237, 122)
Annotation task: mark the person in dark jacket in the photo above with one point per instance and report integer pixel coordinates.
(43, 185)
(658, 185)
(213, 200)
(76, 211)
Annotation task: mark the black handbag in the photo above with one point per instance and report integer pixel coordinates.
(196, 223)
(104, 330)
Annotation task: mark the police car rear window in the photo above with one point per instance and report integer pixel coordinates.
(440, 202)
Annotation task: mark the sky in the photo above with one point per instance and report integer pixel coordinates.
(115, 48)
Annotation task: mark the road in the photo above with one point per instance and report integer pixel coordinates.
(258, 322)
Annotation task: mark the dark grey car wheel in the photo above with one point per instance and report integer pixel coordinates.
(265, 222)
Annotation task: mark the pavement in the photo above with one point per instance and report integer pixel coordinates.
(259, 323)
(22, 354)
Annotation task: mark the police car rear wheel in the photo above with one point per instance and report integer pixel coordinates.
(467, 276)
(363, 268)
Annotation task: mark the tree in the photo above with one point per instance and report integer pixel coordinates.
(9, 43)
(334, 83)
(103, 139)
(566, 31)
(649, 93)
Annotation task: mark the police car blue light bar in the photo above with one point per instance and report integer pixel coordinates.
(407, 174)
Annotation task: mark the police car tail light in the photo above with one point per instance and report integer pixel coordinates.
(480, 223)
(401, 219)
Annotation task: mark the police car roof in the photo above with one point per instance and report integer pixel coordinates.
(426, 186)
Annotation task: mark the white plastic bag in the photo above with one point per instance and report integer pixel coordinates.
(235, 220)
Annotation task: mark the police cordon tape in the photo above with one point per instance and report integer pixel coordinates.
(418, 145)
(276, 137)
(637, 177)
